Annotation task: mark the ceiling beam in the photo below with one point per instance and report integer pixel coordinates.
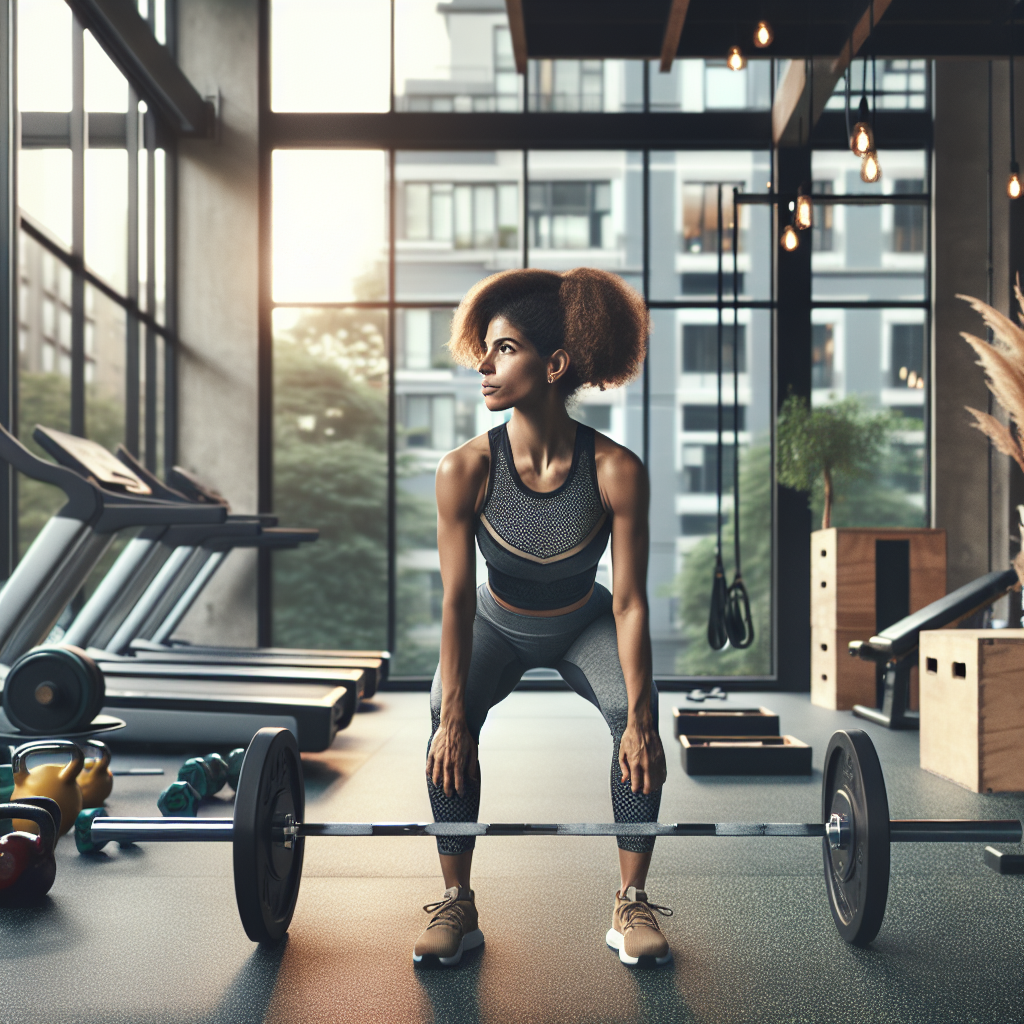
(807, 85)
(130, 44)
(673, 32)
(517, 28)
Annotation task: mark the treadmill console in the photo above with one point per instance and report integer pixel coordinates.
(90, 459)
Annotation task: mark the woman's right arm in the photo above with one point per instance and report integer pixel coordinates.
(461, 479)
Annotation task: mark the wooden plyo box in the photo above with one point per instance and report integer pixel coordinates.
(844, 603)
(745, 755)
(722, 722)
(972, 707)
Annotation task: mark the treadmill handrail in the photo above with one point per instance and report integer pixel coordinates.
(901, 638)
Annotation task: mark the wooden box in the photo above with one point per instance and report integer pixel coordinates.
(745, 755)
(972, 707)
(863, 580)
(725, 722)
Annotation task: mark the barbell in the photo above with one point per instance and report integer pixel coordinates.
(268, 833)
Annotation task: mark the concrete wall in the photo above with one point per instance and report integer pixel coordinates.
(218, 221)
(968, 491)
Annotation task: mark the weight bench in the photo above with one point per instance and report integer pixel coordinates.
(896, 646)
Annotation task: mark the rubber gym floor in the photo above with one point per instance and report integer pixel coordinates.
(151, 934)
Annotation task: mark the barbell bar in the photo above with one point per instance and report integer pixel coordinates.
(268, 833)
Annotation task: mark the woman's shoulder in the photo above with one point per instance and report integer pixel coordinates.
(467, 464)
(621, 475)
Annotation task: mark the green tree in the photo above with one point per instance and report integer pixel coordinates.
(830, 445)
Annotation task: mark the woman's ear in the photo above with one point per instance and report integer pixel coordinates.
(558, 364)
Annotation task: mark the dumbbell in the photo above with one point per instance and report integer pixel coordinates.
(199, 778)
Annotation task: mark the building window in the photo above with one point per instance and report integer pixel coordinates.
(428, 421)
(425, 339)
(464, 216)
(705, 417)
(823, 350)
(506, 79)
(570, 215)
(700, 215)
(567, 86)
(908, 219)
(700, 475)
(700, 348)
(822, 219)
(907, 362)
(697, 524)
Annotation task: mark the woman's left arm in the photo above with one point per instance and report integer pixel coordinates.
(625, 491)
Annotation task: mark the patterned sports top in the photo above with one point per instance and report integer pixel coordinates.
(542, 548)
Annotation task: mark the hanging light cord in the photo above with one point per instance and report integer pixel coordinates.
(717, 634)
(739, 625)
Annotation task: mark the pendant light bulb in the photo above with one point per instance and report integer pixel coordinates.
(790, 240)
(803, 215)
(862, 138)
(763, 35)
(736, 60)
(870, 170)
(1013, 183)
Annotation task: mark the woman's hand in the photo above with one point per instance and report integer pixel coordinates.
(452, 760)
(641, 756)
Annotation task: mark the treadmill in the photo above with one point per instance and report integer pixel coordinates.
(146, 630)
(211, 707)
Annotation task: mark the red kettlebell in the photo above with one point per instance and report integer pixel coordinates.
(27, 864)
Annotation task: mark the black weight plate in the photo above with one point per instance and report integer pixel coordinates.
(856, 876)
(70, 678)
(267, 873)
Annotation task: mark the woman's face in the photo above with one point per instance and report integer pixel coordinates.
(513, 371)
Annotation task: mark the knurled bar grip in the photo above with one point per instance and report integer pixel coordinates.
(197, 830)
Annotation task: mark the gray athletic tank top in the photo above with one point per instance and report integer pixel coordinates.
(542, 549)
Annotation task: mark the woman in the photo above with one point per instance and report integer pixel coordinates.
(541, 495)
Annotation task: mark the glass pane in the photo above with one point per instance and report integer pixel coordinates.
(330, 472)
(589, 86)
(106, 215)
(458, 221)
(869, 253)
(878, 357)
(695, 86)
(585, 209)
(105, 87)
(160, 234)
(439, 408)
(454, 57)
(901, 85)
(44, 55)
(330, 55)
(104, 368)
(329, 224)
(44, 373)
(684, 231)
(684, 477)
(44, 190)
(161, 385)
(143, 226)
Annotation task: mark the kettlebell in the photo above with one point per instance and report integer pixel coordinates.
(57, 781)
(27, 865)
(96, 781)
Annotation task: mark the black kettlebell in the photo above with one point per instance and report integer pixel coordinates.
(27, 864)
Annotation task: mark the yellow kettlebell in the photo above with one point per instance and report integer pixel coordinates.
(57, 781)
(96, 781)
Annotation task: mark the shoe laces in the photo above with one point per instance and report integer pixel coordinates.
(638, 912)
(446, 912)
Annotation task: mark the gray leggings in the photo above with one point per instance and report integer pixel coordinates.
(582, 647)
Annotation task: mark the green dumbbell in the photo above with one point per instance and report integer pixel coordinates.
(83, 830)
(234, 760)
(197, 773)
(219, 772)
(179, 800)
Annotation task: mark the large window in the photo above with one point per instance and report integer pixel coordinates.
(375, 244)
(96, 343)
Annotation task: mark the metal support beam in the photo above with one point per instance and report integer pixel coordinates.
(131, 45)
(8, 277)
(517, 29)
(673, 32)
(801, 96)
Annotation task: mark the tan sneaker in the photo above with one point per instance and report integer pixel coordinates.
(635, 931)
(453, 929)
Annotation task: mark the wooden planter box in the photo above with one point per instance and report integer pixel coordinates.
(745, 755)
(972, 707)
(721, 722)
(863, 580)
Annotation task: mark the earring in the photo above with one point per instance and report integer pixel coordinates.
(551, 380)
